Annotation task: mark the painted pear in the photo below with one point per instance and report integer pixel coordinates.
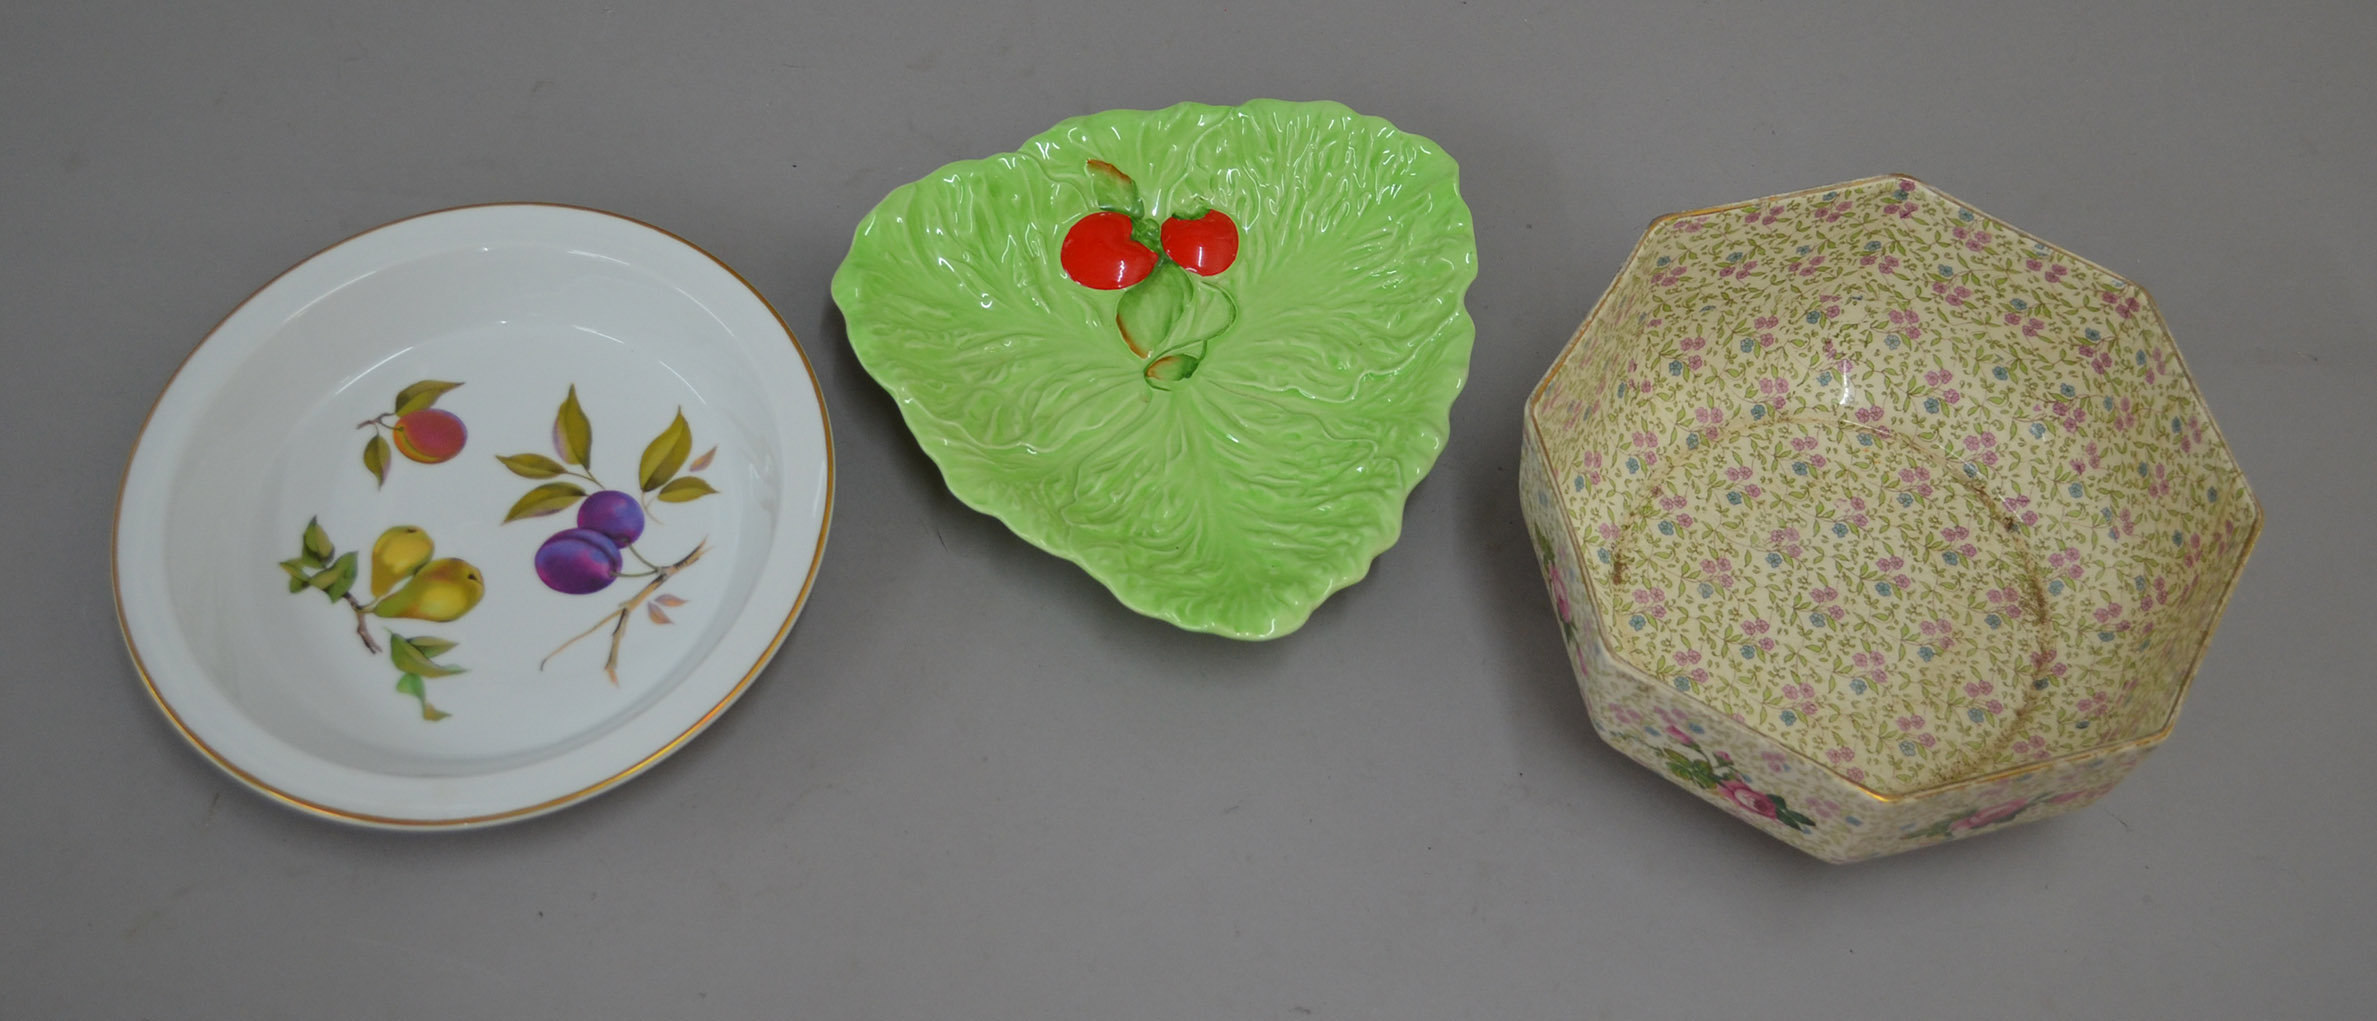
(399, 552)
(442, 591)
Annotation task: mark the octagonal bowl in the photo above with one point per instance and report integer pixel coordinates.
(1217, 406)
(1876, 521)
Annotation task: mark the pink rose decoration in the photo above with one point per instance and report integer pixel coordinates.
(1988, 816)
(1746, 799)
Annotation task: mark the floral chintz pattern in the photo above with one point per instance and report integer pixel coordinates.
(1893, 490)
(1652, 722)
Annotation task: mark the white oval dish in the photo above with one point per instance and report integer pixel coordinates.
(269, 427)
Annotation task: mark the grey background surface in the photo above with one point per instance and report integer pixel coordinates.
(972, 785)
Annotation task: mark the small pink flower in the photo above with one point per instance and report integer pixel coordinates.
(1679, 736)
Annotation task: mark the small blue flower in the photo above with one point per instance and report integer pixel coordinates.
(1993, 621)
(1950, 557)
(1735, 257)
(1814, 316)
(1852, 820)
(2211, 495)
(2178, 539)
(1975, 715)
(2141, 356)
(1681, 684)
(1971, 470)
(1675, 368)
(1667, 528)
(2055, 588)
(2038, 429)
(1873, 246)
(1840, 529)
(1691, 441)
(1695, 728)
(1663, 260)
(1857, 685)
(1824, 378)
(1906, 499)
(2091, 334)
(1931, 405)
(1749, 652)
(1818, 620)
(1774, 560)
(1865, 439)
(2176, 425)
(1749, 343)
(2076, 491)
(1925, 652)
(1636, 622)
(2107, 403)
(1633, 465)
(1906, 748)
(1803, 249)
(1757, 411)
(1892, 340)
(2020, 304)
(2082, 725)
(1947, 271)
(1799, 467)
(1881, 588)
(2000, 372)
(2069, 390)
(1602, 553)
(1707, 590)
(1733, 497)
(2104, 636)
(1580, 483)
(1789, 717)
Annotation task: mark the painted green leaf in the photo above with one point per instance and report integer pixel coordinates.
(703, 461)
(431, 645)
(1272, 467)
(685, 490)
(409, 658)
(339, 578)
(532, 466)
(666, 453)
(1150, 309)
(552, 497)
(1112, 188)
(313, 546)
(421, 395)
(577, 434)
(375, 457)
(410, 684)
(298, 579)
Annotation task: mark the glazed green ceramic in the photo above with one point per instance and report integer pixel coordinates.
(1226, 441)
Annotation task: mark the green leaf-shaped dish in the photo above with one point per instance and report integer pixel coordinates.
(1232, 495)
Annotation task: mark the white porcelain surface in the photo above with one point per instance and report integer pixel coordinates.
(258, 433)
